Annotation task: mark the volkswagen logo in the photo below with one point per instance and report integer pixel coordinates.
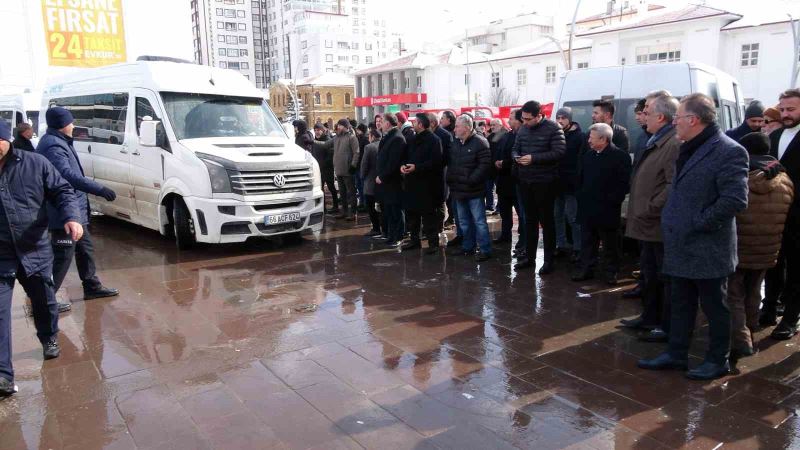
(279, 180)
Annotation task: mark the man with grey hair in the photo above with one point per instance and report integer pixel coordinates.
(699, 230)
(602, 186)
(467, 172)
(652, 178)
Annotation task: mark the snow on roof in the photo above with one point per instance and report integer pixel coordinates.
(690, 12)
(421, 60)
(541, 46)
(768, 14)
(325, 79)
(602, 16)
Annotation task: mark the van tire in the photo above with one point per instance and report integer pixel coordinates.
(182, 225)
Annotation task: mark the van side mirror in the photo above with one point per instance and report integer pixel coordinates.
(151, 134)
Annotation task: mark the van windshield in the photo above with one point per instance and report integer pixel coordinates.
(206, 115)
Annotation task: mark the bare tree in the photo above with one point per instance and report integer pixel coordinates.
(501, 96)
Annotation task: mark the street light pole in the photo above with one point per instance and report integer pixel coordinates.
(796, 40)
(469, 77)
(572, 34)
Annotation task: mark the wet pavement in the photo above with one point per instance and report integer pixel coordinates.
(340, 343)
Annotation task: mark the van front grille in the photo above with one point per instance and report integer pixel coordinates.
(297, 179)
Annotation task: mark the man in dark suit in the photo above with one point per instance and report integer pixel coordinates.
(603, 112)
(699, 231)
(784, 280)
(389, 181)
(603, 182)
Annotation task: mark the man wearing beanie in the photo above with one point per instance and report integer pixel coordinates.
(753, 121)
(405, 126)
(760, 231)
(345, 164)
(28, 185)
(56, 146)
(566, 205)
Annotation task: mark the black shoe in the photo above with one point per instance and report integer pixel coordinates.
(546, 268)
(372, 233)
(393, 243)
(663, 362)
(709, 371)
(583, 275)
(783, 332)
(741, 352)
(519, 253)
(481, 257)
(51, 350)
(560, 252)
(7, 387)
(432, 249)
(99, 292)
(379, 237)
(456, 242)
(779, 309)
(655, 335)
(635, 324)
(611, 279)
(64, 307)
(411, 245)
(767, 317)
(524, 263)
(634, 293)
(501, 240)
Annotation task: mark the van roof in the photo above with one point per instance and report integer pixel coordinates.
(162, 76)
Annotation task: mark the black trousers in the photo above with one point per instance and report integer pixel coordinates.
(374, 215)
(430, 221)
(590, 242)
(711, 295)
(393, 213)
(328, 180)
(655, 294)
(347, 193)
(790, 250)
(64, 248)
(504, 207)
(39, 288)
(538, 200)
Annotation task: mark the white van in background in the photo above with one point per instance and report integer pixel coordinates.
(191, 151)
(12, 110)
(625, 85)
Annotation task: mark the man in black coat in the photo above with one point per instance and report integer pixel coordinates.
(423, 172)
(303, 137)
(566, 208)
(28, 184)
(324, 157)
(506, 186)
(603, 112)
(539, 147)
(753, 121)
(467, 172)
(363, 141)
(783, 282)
(24, 135)
(603, 182)
(389, 182)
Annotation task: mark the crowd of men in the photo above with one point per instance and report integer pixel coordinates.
(714, 213)
(44, 219)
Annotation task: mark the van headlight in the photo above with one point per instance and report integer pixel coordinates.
(220, 182)
(317, 174)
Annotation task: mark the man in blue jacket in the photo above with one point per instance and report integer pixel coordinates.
(56, 146)
(27, 183)
(699, 231)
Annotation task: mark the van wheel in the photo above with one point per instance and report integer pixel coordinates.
(183, 225)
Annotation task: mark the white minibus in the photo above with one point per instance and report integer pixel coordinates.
(191, 151)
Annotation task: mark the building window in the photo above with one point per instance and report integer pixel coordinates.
(223, 65)
(220, 25)
(305, 72)
(305, 58)
(343, 58)
(419, 81)
(583, 65)
(354, 46)
(233, 52)
(222, 52)
(243, 39)
(346, 98)
(670, 52)
(242, 26)
(328, 44)
(317, 98)
(329, 98)
(522, 77)
(328, 58)
(495, 79)
(550, 74)
(355, 59)
(304, 44)
(343, 45)
(749, 55)
(219, 11)
(221, 38)
(231, 40)
(240, 14)
(406, 83)
(244, 65)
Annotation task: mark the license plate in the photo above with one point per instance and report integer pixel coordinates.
(282, 218)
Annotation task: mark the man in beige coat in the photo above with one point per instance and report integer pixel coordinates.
(650, 184)
(759, 231)
(345, 164)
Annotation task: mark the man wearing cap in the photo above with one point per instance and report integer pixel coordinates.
(753, 121)
(56, 146)
(345, 164)
(27, 183)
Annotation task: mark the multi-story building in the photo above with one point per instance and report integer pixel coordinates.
(272, 39)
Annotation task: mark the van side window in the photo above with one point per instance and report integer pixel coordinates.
(99, 118)
(144, 108)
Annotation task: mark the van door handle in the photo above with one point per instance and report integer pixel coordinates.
(136, 153)
(124, 151)
(89, 149)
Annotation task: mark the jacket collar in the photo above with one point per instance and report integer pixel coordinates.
(60, 135)
(704, 149)
(663, 135)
